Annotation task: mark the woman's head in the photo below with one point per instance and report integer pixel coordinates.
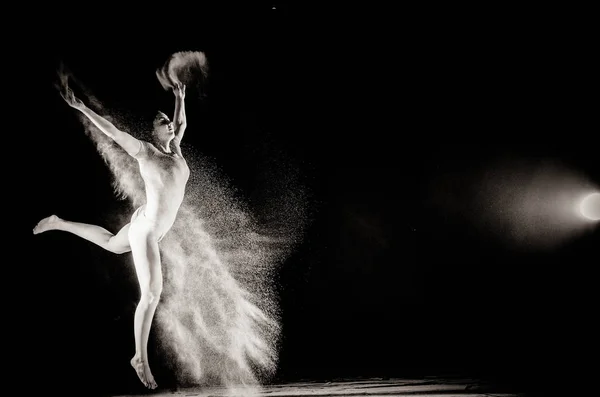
(163, 128)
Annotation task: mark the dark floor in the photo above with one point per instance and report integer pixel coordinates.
(367, 387)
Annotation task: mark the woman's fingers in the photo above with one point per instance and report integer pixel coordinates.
(69, 96)
(179, 88)
(65, 94)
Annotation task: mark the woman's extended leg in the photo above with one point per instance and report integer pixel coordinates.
(117, 243)
(146, 257)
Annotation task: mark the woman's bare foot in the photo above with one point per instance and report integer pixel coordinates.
(143, 372)
(151, 382)
(45, 224)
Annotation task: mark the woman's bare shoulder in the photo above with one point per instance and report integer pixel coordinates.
(146, 148)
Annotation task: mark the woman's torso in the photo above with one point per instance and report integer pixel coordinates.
(165, 177)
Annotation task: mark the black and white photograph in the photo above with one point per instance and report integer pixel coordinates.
(286, 199)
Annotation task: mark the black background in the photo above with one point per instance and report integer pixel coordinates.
(371, 105)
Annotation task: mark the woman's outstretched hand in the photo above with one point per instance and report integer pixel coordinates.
(71, 99)
(179, 90)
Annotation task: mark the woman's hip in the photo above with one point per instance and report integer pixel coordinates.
(141, 224)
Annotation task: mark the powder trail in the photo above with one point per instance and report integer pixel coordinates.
(217, 321)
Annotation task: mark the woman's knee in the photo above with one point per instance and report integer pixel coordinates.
(118, 248)
(119, 243)
(151, 293)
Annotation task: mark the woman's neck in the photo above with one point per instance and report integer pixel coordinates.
(164, 146)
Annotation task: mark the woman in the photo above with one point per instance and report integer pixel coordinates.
(165, 174)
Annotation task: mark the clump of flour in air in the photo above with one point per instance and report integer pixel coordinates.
(187, 67)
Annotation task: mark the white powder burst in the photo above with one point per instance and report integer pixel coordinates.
(218, 320)
(187, 67)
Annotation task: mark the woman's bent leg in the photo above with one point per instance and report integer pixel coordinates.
(117, 243)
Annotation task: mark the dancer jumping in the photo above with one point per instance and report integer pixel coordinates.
(165, 174)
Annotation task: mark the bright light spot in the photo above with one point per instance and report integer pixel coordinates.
(590, 206)
(530, 204)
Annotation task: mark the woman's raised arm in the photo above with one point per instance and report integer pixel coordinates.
(131, 145)
(179, 120)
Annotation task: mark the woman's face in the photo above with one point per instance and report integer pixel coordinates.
(163, 127)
